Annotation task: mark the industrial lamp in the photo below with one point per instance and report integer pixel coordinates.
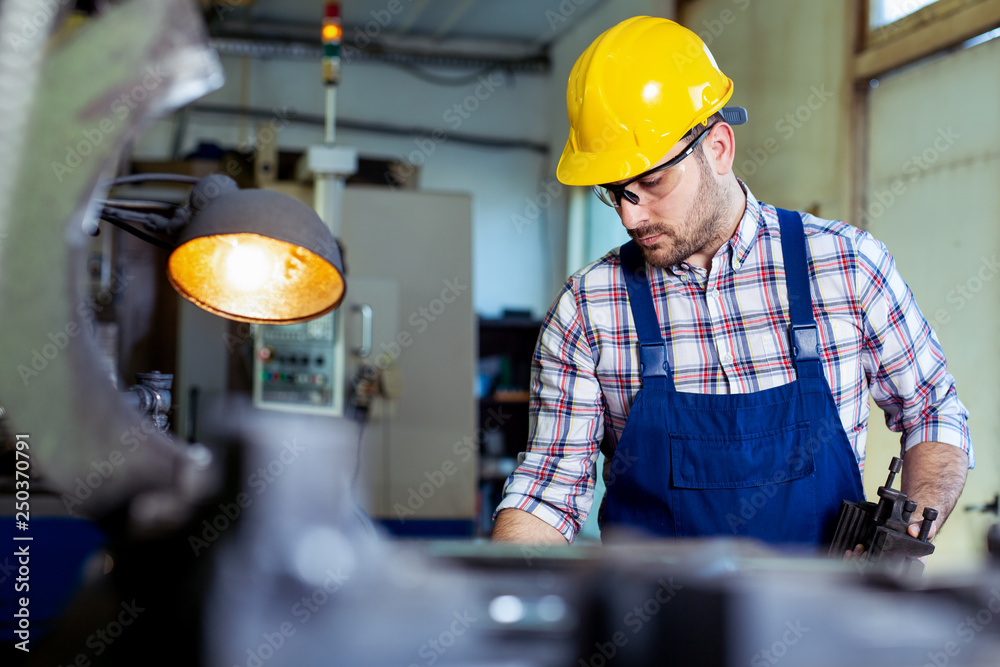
(247, 255)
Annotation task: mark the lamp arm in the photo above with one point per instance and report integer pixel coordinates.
(153, 178)
(153, 222)
(138, 204)
(170, 226)
(123, 225)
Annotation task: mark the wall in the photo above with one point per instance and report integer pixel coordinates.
(933, 201)
(788, 61)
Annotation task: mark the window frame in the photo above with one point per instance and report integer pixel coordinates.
(929, 30)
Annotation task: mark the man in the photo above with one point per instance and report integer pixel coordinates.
(725, 357)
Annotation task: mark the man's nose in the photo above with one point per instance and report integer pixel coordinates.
(632, 215)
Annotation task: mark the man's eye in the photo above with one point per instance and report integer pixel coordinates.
(650, 182)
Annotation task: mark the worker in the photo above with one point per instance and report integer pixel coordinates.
(724, 358)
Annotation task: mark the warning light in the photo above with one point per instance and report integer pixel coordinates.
(332, 32)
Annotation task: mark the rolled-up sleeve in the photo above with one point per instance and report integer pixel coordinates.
(555, 479)
(909, 374)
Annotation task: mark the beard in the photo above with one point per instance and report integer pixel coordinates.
(702, 225)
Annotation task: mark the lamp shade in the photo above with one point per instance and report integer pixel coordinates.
(256, 256)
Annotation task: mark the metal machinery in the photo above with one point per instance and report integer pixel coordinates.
(247, 550)
(301, 367)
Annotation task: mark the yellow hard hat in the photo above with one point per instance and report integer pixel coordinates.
(633, 94)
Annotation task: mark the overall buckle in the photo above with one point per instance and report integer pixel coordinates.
(805, 342)
(653, 359)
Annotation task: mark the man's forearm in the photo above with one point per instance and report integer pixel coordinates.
(933, 476)
(514, 525)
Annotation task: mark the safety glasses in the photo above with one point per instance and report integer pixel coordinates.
(649, 186)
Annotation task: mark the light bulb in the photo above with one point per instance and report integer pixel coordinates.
(248, 267)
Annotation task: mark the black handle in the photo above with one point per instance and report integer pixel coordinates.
(894, 467)
(925, 526)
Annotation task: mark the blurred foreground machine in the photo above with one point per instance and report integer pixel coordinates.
(277, 569)
(249, 550)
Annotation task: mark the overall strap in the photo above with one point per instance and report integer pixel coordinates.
(802, 331)
(652, 349)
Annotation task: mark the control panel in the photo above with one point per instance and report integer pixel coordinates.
(297, 367)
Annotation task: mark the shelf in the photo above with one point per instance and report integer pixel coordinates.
(508, 396)
(506, 349)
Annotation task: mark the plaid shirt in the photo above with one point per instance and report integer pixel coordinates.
(727, 332)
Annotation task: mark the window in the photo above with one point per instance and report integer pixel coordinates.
(884, 12)
(919, 29)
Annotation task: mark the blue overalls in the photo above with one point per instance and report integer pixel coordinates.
(773, 464)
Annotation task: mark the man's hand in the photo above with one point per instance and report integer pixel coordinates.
(514, 525)
(933, 476)
(914, 529)
(856, 554)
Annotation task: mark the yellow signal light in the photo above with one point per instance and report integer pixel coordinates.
(332, 32)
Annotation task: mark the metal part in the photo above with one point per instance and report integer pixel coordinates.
(993, 534)
(925, 526)
(993, 541)
(882, 529)
(992, 507)
(151, 395)
(330, 121)
(366, 330)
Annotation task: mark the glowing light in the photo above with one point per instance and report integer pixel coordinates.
(506, 609)
(268, 281)
(551, 608)
(248, 267)
(331, 32)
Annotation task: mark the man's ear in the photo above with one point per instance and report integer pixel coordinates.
(720, 148)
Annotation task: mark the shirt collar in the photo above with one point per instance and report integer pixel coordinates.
(748, 230)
